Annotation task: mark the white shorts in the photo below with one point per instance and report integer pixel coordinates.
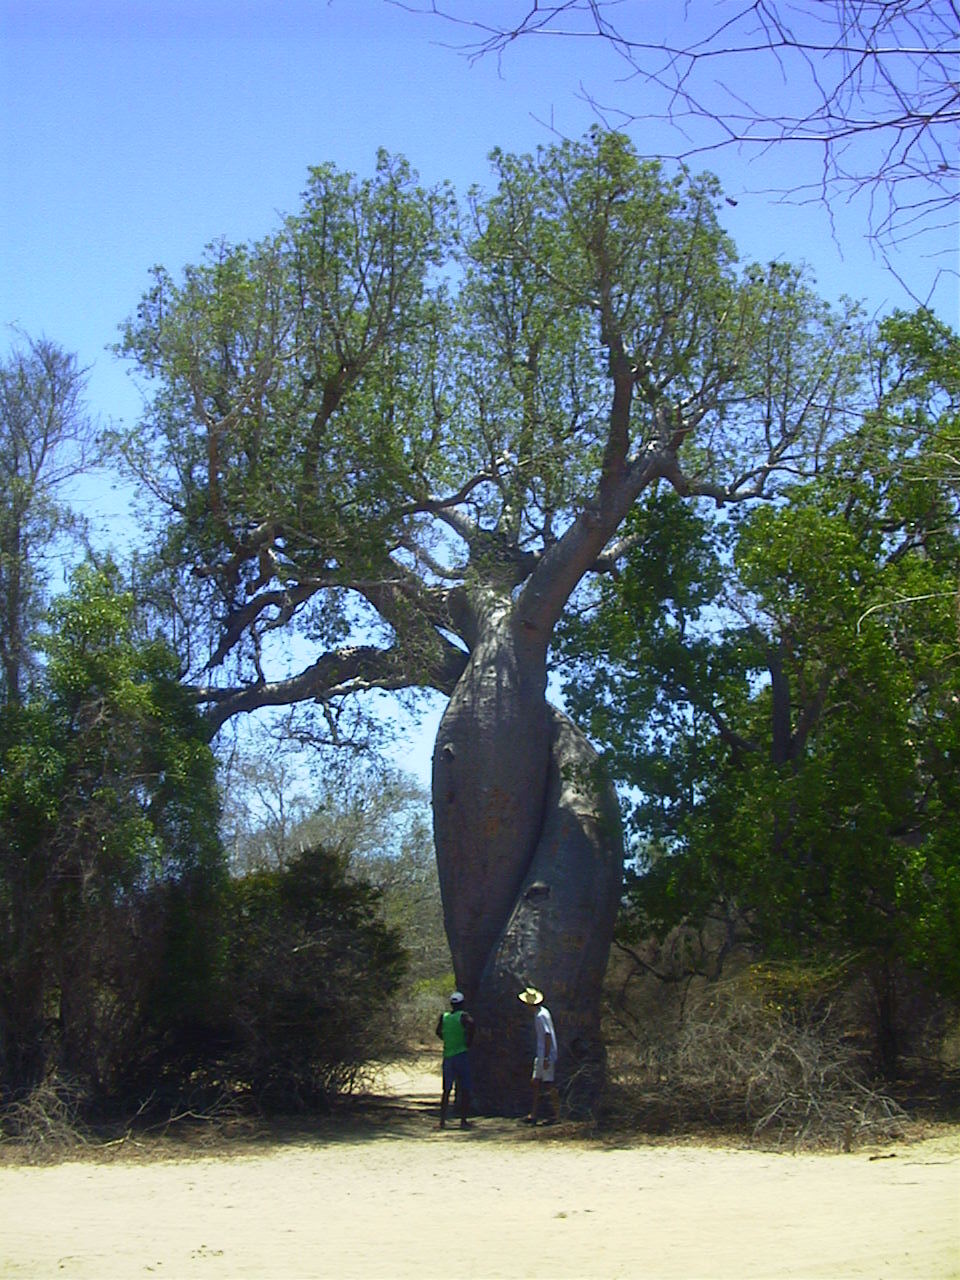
(543, 1070)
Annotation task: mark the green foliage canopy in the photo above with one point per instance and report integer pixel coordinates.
(783, 690)
(129, 962)
(400, 399)
(108, 802)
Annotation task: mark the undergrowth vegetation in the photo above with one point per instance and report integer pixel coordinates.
(782, 1055)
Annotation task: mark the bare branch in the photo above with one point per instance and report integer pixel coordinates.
(871, 84)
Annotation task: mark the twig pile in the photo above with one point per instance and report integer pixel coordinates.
(740, 1061)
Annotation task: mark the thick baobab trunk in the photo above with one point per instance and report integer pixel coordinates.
(530, 857)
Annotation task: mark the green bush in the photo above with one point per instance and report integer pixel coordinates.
(310, 970)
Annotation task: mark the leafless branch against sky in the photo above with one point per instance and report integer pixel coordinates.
(872, 86)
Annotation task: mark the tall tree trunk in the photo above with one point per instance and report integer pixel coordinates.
(530, 857)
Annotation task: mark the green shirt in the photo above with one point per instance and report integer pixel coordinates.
(454, 1034)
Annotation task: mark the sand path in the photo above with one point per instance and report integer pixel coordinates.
(391, 1197)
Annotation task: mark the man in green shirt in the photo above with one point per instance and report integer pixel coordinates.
(456, 1030)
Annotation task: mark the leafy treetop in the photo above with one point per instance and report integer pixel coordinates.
(362, 426)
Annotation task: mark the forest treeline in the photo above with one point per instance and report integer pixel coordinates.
(778, 689)
(772, 677)
(134, 966)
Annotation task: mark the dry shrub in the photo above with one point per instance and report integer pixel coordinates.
(208, 1123)
(737, 1060)
(45, 1124)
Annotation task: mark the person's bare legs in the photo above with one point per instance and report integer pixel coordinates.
(534, 1100)
(463, 1101)
(535, 1093)
(554, 1095)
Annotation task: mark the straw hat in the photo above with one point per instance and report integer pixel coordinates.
(530, 995)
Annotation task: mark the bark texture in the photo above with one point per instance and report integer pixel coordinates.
(530, 856)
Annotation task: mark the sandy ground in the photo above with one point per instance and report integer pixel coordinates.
(391, 1197)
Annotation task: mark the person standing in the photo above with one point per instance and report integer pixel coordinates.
(456, 1030)
(545, 1057)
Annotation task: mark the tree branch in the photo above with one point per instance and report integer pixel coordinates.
(350, 670)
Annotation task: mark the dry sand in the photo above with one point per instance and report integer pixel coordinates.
(392, 1197)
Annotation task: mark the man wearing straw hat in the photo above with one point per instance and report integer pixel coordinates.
(545, 1059)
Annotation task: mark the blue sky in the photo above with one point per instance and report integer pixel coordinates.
(136, 131)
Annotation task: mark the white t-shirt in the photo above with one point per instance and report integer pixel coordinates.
(543, 1024)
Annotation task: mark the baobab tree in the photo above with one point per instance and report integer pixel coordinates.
(392, 441)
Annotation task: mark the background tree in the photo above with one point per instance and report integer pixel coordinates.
(109, 857)
(46, 440)
(130, 965)
(792, 729)
(407, 880)
(266, 796)
(391, 440)
(868, 85)
(277, 802)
